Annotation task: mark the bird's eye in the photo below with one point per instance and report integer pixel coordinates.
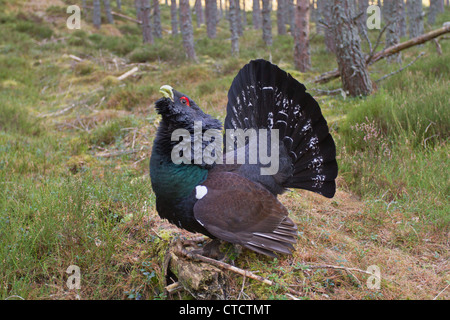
(185, 101)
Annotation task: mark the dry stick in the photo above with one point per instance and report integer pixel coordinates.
(401, 69)
(128, 73)
(226, 266)
(330, 75)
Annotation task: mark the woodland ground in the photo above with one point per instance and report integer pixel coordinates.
(75, 144)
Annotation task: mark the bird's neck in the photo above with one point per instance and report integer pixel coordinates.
(170, 180)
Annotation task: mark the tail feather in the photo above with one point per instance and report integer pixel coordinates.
(264, 96)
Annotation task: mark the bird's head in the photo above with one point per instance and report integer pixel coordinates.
(180, 111)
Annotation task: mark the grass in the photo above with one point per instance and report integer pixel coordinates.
(66, 201)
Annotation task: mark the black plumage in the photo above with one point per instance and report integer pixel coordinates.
(235, 202)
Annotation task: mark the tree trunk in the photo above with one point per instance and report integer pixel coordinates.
(232, 16)
(441, 6)
(186, 30)
(96, 14)
(350, 58)
(145, 9)
(257, 23)
(432, 11)
(119, 5)
(325, 9)
(415, 15)
(402, 18)
(281, 19)
(392, 13)
(174, 16)
(302, 56)
(199, 12)
(239, 18)
(211, 17)
(138, 5)
(267, 22)
(109, 15)
(362, 7)
(157, 28)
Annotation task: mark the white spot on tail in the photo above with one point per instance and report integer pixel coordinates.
(200, 192)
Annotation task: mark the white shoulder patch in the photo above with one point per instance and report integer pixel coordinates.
(200, 192)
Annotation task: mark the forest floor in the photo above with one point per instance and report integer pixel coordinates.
(74, 152)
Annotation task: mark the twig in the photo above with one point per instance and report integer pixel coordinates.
(372, 52)
(173, 287)
(441, 292)
(331, 92)
(59, 112)
(116, 153)
(75, 58)
(226, 266)
(401, 69)
(328, 266)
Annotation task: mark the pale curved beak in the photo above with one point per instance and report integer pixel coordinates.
(167, 91)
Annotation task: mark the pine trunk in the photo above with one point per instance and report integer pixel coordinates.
(109, 15)
(432, 11)
(232, 16)
(96, 14)
(137, 5)
(302, 56)
(145, 9)
(415, 16)
(186, 30)
(119, 5)
(281, 19)
(402, 18)
(362, 8)
(257, 23)
(350, 58)
(325, 9)
(199, 12)
(157, 28)
(211, 17)
(174, 16)
(392, 13)
(239, 18)
(267, 22)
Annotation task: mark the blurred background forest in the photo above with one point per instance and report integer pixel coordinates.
(77, 123)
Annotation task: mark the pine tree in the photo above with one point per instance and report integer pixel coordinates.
(157, 28)
(174, 16)
(415, 15)
(302, 58)
(392, 13)
(232, 16)
(267, 22)
(256, 15)
(144, 12)
(187, 31)
(281, 18)
(109, 15)
(211, 17)
(96, 14)
(350, 58)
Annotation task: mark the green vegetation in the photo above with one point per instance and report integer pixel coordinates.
(75, 143)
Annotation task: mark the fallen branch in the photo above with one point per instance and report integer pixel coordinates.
(128, 73)
(75, 58)
(330, 75)
(225, 266)
(401, 69)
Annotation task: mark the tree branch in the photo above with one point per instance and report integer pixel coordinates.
(330, 75)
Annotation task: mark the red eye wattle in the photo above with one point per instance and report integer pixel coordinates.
(185, 101)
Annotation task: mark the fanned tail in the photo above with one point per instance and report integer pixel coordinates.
(264, 96)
